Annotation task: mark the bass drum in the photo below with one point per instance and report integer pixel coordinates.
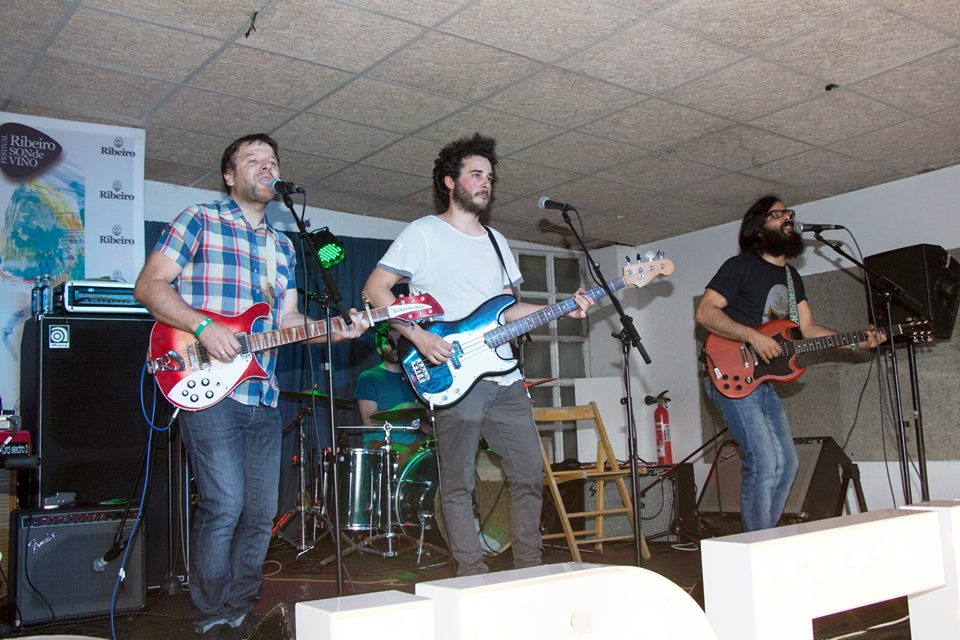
(418, 501)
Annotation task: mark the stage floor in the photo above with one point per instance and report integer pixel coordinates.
(289, 580)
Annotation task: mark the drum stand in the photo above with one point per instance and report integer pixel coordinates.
(306, 506)
(389, 534)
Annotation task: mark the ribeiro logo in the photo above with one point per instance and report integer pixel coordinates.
(117, 237)
(117, 193)
(117, 149)
(24, 151)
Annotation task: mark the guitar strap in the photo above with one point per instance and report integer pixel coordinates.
(518, 347)
(268, 279)
(794, 314)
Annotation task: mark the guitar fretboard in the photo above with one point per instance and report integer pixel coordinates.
(501, 335)
(301, 332)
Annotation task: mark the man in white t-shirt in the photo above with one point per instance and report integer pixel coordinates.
(452, 257)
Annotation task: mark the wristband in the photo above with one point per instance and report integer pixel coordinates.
(203, 325)
(853, 347)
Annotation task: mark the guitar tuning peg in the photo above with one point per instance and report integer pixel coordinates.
(650, 256)
(627, 258)
(660, 254)
(639, 259)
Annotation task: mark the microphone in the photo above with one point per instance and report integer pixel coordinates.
(101, 563)
(547, 203)
(283, 188)
(804, 227)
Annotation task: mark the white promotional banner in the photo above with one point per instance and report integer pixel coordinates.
(71, 194)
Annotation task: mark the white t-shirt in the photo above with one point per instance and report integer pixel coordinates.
(459, 270)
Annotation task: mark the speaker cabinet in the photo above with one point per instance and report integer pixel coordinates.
(929, 274)
(51, 565)
(80, 399)
(818, 492)
(666, 508)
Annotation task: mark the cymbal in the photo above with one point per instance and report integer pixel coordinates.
(322, 398)
(403, 412)
(532, 383)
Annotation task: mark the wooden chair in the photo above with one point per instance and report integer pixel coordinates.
(605, 469)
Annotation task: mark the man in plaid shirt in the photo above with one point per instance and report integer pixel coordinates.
(224, 257)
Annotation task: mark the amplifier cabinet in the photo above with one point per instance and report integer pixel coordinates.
(52, 553)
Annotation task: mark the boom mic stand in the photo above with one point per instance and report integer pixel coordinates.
(333, 297)
(628, 338)
(890, 290)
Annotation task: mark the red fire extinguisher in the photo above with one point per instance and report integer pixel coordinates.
(661, 423)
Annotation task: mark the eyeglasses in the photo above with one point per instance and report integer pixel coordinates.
(776, 214)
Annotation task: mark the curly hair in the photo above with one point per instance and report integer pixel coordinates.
(450, 162)
(752, 223)
(228, 161)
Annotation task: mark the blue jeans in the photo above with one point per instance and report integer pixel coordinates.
(234, 453)
(502, 416)
(769, 458)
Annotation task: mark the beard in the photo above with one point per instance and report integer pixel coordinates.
(778, 243)
(466, 202)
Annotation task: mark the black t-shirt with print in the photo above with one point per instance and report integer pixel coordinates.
(756, 291)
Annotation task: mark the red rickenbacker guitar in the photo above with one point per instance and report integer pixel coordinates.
(190, 379)
(736, 369)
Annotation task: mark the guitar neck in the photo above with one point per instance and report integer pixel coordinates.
(810, 345)
(501, 335)
(279, 337)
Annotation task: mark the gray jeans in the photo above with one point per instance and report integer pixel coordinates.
(502, 416)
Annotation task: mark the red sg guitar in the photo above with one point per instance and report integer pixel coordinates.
(190, 379)
(736, 370)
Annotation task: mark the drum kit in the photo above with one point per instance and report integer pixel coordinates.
(386, 507)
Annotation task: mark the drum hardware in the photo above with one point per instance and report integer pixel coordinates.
(321, 397)
(308, 505)
(406, 412)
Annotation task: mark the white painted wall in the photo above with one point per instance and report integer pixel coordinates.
(920, 209)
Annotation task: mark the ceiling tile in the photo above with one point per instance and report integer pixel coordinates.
(916, 145)
(754, 24)
(218, 18)
(651, 57)
(944, 14)
(832, 116)
(655, 124)
(561, 97)
(212, 181)
(747, 89)
(333, 138)
(335, 34)
(426, 12)
(595, 195)
(733, 190)
(363, 101)
(523, 178)
(342, 201)
(397, 211)
(68, 112)
(660, 171)
(926, 85)
(106, 39)
(173, 172)
(824, 171)
(218, 114)
(453, 67)
(424, 199)
(28, 23)
(15, 63)
(551, 29)
(739, 148)
(79, 86)
(372, 181)
(949, 116)
(307, 168)
(867, 42)
(579, 153)
(408, 155)
(268, 77)
(187, 147)
(511, 132)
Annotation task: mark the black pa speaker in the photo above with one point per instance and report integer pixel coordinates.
(929, 274)
(52, 575)
(818, 492)
(80, 399)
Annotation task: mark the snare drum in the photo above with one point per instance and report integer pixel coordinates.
(418, 501)
(363, 488)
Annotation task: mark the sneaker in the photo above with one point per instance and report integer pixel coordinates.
(245, 626)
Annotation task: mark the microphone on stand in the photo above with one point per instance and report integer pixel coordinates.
(283, 188)
(806, 227)
(547, 203)
(101, 563)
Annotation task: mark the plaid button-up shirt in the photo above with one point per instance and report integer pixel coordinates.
(223, 262)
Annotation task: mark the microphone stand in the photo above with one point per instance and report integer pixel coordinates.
(333, 297)
(890, 290)
(628, 338)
